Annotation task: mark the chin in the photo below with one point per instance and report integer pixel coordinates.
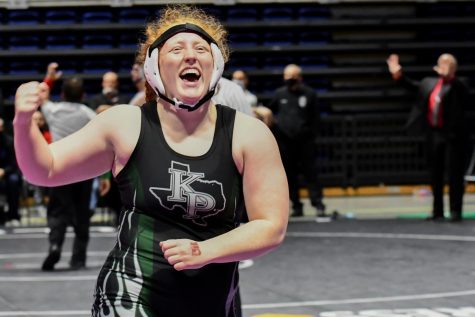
(191, 98)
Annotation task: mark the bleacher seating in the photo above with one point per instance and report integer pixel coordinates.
(60, 16)
(341, 47)
(98, 66)
(23, 42)
(99, 16)
(23, 17)
(242, 14)
(278, 13)
(278, 38)
(133, 15)
(98, 41)
(313, 13)
(60, 42)
(24, 67)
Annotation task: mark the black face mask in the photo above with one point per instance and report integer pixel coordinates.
(291, 82)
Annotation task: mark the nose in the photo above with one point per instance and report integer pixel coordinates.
(190, 55)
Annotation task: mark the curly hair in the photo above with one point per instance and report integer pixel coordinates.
(179, 14)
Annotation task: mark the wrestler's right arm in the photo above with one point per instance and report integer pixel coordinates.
(103, 144)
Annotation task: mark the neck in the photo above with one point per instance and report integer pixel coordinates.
(184, 121)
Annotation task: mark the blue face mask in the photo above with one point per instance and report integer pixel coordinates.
(239, 82)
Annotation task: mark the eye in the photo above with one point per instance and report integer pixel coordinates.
(201, 49)
(176, 49)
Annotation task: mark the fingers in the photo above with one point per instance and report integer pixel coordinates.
(165, 245)
(52, 71)
(182, 254)
(28, 97)
(52, 66)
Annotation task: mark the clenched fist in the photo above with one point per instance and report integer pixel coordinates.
(183, 254)
(28, 98)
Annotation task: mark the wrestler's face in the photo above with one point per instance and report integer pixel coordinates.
(186, 66)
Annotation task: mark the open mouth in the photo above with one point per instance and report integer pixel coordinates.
(190, 75)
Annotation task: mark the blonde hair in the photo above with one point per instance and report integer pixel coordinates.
(180, 14)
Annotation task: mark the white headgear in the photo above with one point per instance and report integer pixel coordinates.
(152, 71)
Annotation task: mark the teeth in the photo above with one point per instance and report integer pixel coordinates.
(190, 72)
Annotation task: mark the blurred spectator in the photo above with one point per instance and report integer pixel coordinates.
(231, 95)
(10, 179)
(41, 194)
(262, 113)
(68, 204)
(110, 94)
(138, 78)
(109, 195)
(439, 114)
(296, 113)
(40, 121)
(240, 78)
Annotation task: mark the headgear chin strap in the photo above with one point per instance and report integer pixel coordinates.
(152, 72)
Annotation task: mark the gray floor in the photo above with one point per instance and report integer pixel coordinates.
(370, 262)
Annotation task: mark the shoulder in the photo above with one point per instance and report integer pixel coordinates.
(252, 140)
(88, 111)
(428, 80)
(47, 106)
(250, 131)
(226, 86)
(119, 117)
(122, 111)
(461, 82)
(308, 90)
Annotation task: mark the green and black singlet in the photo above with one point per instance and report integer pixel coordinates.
(168, 195)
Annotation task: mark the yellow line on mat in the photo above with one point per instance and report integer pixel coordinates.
(281, 315)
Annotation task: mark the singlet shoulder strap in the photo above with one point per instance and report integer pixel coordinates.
(228, 116)
(149, 110)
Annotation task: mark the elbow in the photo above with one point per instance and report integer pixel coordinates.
(35, 177)
(278, 236)
(35, 180)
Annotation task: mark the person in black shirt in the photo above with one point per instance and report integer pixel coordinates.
(185, 167)
(110, 95)
(296, 114)
(10, 178)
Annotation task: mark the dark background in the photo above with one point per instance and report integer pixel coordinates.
(342, 48)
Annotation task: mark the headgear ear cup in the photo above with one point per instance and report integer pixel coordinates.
(218, 66)
(152, 72)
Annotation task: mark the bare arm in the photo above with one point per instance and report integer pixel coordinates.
(267, 203)
(397, 74)
(84, 154)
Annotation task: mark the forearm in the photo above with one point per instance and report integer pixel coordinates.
(32, 152)
(249, 240)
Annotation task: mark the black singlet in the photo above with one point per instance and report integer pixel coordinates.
(168, 195)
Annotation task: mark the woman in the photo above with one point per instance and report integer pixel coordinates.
(185, 168)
